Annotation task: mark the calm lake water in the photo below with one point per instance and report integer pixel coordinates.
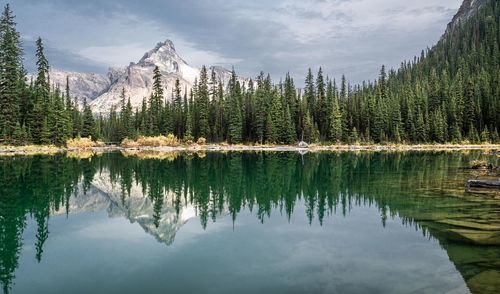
(247, 223)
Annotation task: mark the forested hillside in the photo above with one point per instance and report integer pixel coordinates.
(451, 93)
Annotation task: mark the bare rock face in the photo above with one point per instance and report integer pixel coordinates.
(83, 86)
(102, 92)
(468, 9)
(137, 78)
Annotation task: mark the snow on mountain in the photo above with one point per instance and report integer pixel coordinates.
(103, 92)
(137, 78)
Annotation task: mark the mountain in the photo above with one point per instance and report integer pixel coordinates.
(103, 92)
(468, 9)
(83, 86)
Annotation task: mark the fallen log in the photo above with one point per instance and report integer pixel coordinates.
(484, 184)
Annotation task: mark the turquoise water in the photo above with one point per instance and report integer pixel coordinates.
(246, 223)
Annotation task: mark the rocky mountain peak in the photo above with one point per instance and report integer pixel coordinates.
(103, 91)
(164, 56)
(167, 44)
(466, 10)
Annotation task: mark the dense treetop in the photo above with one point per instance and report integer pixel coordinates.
(451, 93)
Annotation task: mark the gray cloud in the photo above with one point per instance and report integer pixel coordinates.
(354, 37)
(60, 59)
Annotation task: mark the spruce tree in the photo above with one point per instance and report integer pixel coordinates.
(309, 92)
(335, 128)
(60, 121)
(189, 113)
(155, 104)
(321, 106)
(275, 123)
(10, 74)
(41, 104)
(88, 122)
(202, 105)
(177, 112)
(289, 135)
(261, 108)
(19, 136)
(235, 119)
(290, 96)
(45, 133)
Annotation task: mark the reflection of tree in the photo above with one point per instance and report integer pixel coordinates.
(12, 224)
(42, 233)
(31, 186)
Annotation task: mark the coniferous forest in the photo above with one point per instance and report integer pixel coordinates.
(450, 93)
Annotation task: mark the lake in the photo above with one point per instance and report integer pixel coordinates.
(144, 222)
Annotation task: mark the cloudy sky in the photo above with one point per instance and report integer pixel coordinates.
(354, 37)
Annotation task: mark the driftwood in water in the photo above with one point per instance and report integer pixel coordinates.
(483, 184)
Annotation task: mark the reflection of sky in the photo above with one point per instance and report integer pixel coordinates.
(353, 254)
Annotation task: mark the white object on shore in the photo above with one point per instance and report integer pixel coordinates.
(303, 144)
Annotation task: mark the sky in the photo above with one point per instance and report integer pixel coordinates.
(351, 37)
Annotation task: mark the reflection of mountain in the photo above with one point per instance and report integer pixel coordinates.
(90, 201)
(155, 216)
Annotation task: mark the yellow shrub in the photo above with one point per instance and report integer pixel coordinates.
(150, 141)
(201, 141)
(158, 141)
(172, 141)
(128, 143)
(81, 143)
(99, 143)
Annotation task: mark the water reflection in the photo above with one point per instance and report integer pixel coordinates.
(161, 192)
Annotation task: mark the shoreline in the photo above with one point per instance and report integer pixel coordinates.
(48, 150)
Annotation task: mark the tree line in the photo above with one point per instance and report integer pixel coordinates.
(451, 93)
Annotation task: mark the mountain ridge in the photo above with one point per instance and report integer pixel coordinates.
(102, 92)
(466, 10)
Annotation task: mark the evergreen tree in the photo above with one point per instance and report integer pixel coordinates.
(45, 134)
(261, 96)
(289, 135)
(155, 104)
(235, 120)
(321, 106)
(309, 93)
(275, 122)
(177, 112)
(291, 100)
(335, 128)
(19, 136)
(10, 74)
(88, 125)
(60, 122)
(41, 104)
(202, 101)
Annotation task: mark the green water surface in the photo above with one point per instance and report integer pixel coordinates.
(247, 223)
